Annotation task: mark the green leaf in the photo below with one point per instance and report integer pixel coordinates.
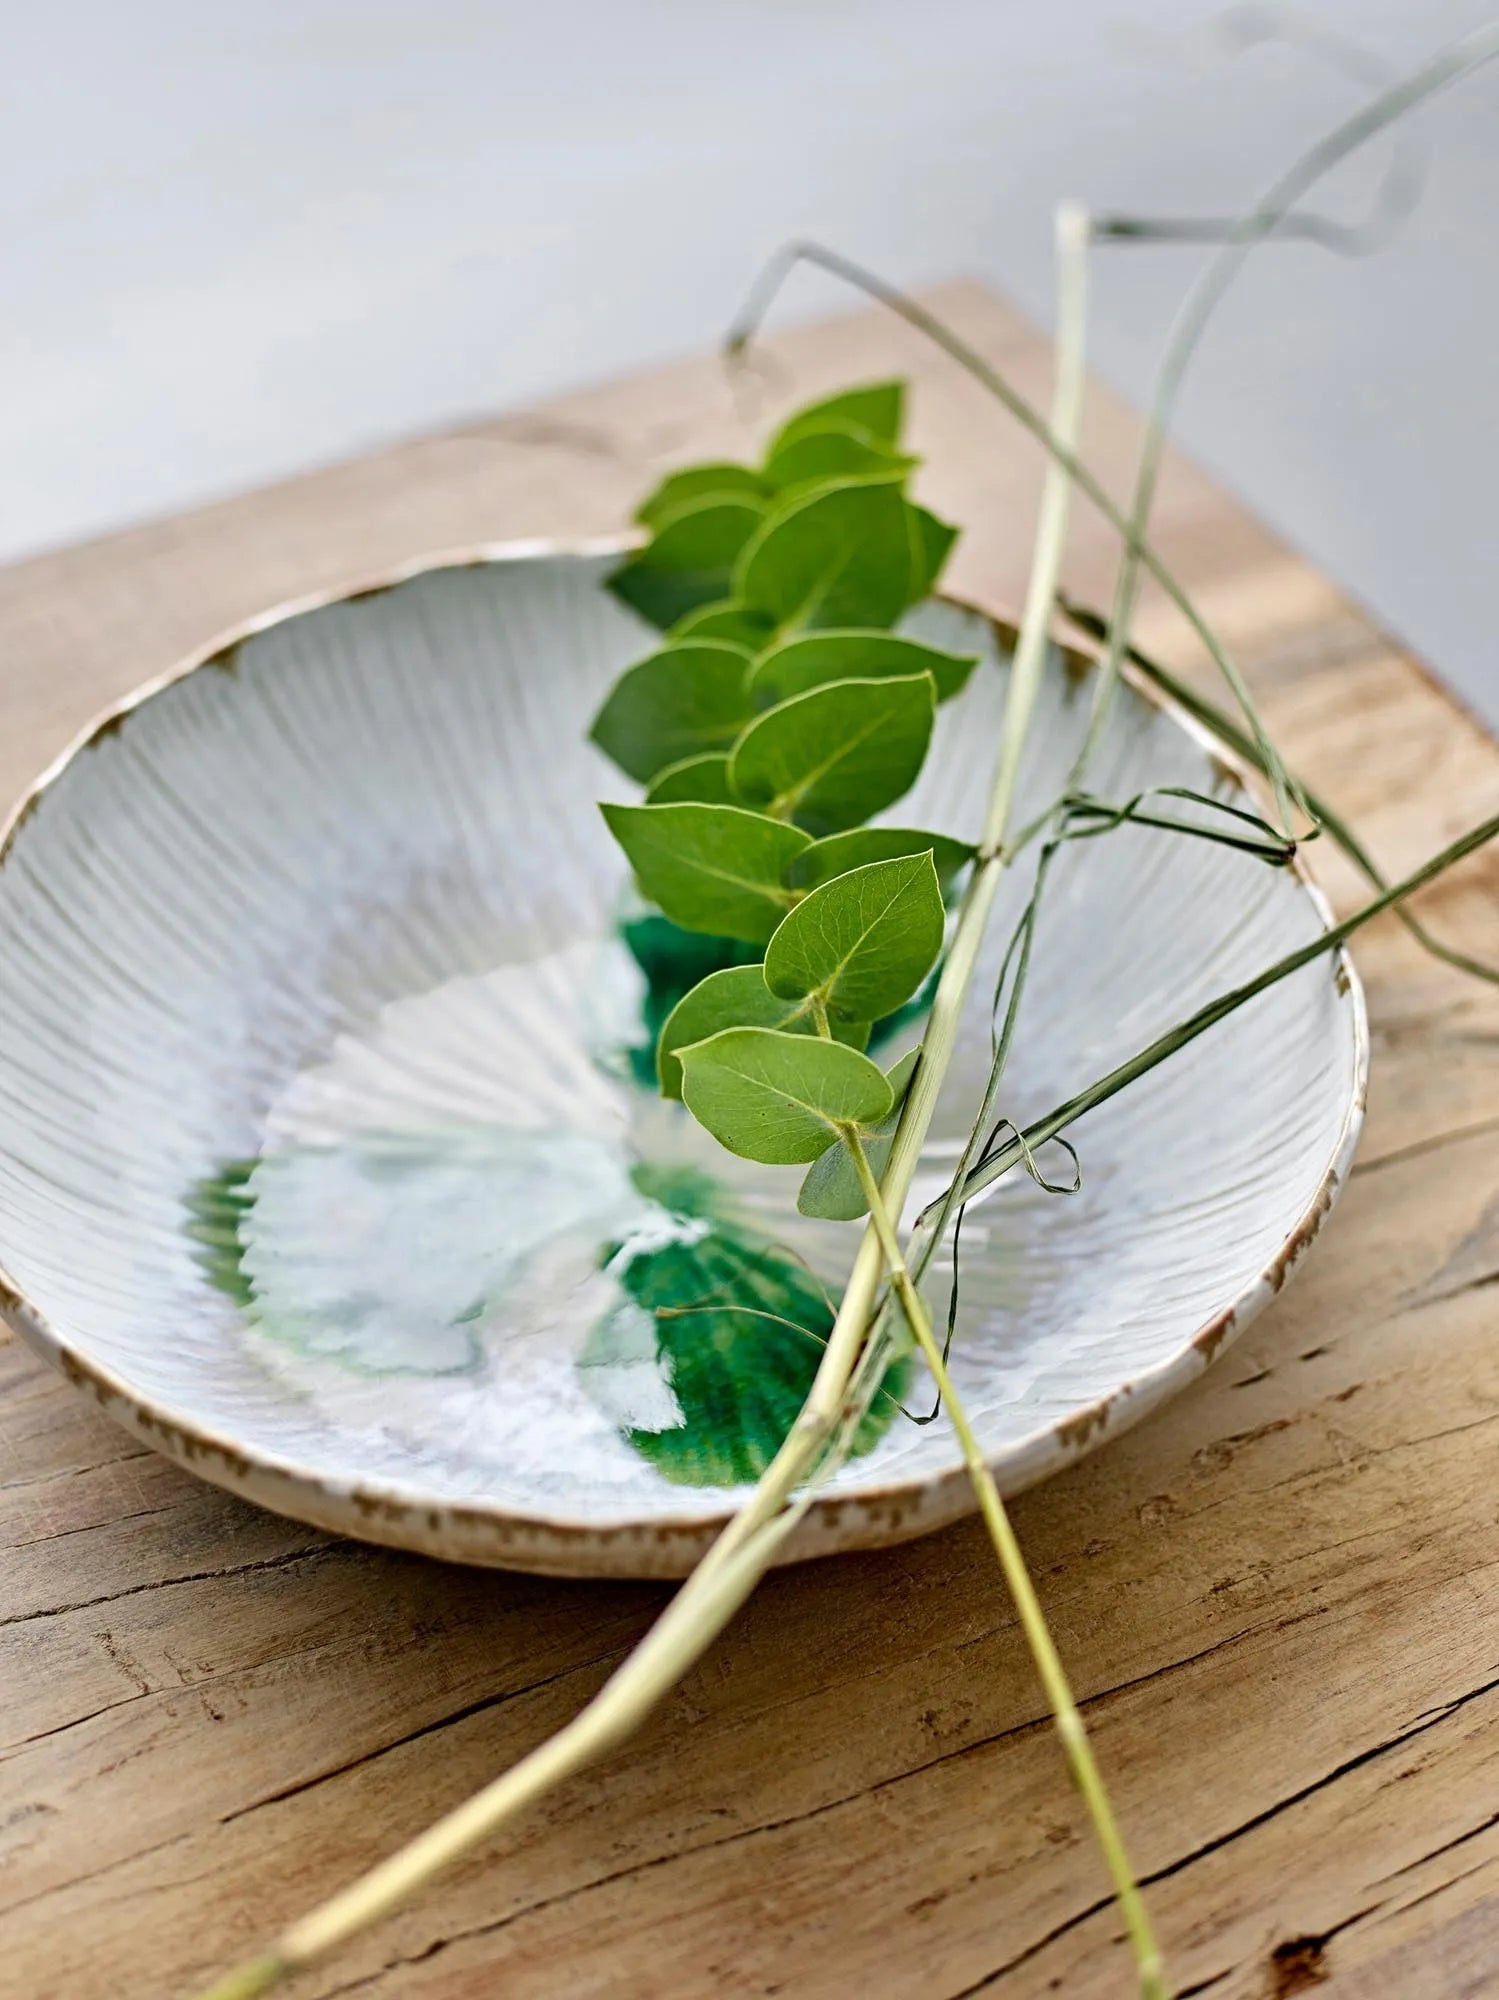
(690, 561)
(684, 701)
(725, 619)
(735, 998)
(839, 555)
(933, 540)
(695, 483)
(863, 941)
(831, 1189)
(862, 844)
(834, 756)
(877, 409)
(710, 868)
(702, 779)
(779, 1097)
(815, 658)
(834, 453)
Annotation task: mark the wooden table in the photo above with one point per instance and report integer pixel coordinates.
(1279, 1598)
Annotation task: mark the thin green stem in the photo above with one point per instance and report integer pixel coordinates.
(1202, 299)
(1029, 663)
(1167, 1045)
(1332, 822)
(1049, 1669)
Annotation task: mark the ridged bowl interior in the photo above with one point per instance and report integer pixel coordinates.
(325, 1159)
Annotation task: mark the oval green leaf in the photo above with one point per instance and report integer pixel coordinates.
(864, 941)
(686, 701)
(704, 780)
(832, 1189)
(877, 409)
(695, 483)
(814, 658)
(737, 997)
(836, 755)
(690, 561)
(840, 852)
(839, 555)
(832, 453)
(779, 1098)
(710, 868)
(932, 545)
(725, 619)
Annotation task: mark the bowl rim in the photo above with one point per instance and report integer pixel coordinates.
(504, 1536)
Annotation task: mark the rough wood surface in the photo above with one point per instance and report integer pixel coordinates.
(1279, 1598)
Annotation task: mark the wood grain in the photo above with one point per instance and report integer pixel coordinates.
(1279, 1598)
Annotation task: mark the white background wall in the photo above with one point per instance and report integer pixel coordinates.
(238, 240)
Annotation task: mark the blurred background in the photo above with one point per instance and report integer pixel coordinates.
(237, 241)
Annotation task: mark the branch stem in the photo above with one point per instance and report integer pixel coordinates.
(1049, 1669)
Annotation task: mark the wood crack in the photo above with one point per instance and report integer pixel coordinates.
(1220, 1841)
(74, 1471)
(74, 1722)
(93, 1527)
(314, 1554)
(1447, 1847)
(656, 1861)
(458, 1715)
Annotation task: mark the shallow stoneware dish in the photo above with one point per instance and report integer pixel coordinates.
(328, 1161)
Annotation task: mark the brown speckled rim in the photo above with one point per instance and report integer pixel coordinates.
(502, 1537)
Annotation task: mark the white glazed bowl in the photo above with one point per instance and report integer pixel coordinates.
(316, 1126)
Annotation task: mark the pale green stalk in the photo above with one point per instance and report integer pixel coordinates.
(1051, 530)
(1050, 1671)
(740, 1556)
(815, 1426)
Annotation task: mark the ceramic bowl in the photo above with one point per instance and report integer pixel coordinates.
(328, 1161)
